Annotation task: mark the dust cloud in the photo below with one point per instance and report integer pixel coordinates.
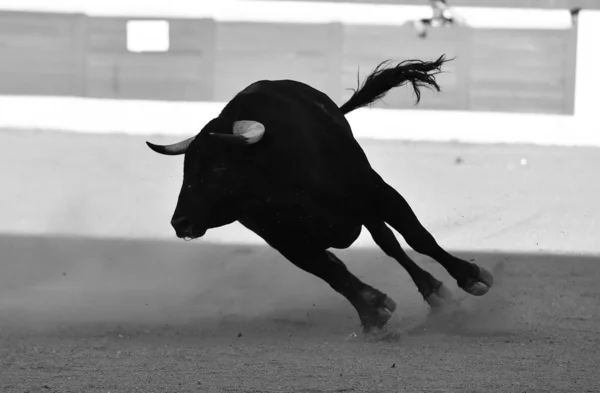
(70, 280)
(48, 281)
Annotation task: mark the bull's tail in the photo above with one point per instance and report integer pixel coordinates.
(381, 80)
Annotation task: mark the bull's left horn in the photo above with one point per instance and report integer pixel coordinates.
(245, 132)
(172, 150)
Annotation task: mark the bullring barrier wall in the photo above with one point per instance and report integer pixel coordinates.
(517, 69)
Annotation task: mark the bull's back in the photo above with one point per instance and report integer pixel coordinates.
(303, 116)
(308, 142)
(303, 94)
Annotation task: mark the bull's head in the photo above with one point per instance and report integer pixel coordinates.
(215, 180)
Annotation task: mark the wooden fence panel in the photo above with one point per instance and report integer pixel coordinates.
(494, 70)
(519, 70)
(184, 72)
(41, 54)
(247, 52)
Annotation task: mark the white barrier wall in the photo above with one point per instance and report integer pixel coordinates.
(177, 119)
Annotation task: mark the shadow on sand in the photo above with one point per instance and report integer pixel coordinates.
(220, 289)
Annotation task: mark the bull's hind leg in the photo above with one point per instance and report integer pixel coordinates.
(374, 307)
(394, 210)
(435, 293)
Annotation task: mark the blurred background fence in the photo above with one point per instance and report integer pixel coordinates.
(537, 74)
(71, 54)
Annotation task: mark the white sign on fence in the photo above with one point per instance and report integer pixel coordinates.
(148, 36)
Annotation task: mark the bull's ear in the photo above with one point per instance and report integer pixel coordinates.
(245, 132)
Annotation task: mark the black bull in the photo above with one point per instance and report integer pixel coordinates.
(282, 160)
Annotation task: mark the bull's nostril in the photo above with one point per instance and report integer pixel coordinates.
(181, 224)
(185, 228)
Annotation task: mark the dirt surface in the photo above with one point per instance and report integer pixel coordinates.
(85, 315)
(84, 312)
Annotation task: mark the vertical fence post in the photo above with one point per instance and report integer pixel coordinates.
(80, 32)
(570, 68)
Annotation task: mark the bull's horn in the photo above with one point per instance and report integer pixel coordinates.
(171, 150)
(253, 131)
(245, 132)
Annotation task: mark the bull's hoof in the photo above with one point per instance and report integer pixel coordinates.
(440, 298)
(379, 311)
(382, 335)
(480, 285)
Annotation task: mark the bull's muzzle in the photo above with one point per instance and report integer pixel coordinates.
(184, 229)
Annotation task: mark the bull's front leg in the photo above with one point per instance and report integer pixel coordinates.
(374, 308)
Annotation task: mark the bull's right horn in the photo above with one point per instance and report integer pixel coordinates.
(172, 150)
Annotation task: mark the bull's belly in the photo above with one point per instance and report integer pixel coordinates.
(297, 226)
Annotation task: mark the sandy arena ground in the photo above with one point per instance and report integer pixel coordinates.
(87, 307)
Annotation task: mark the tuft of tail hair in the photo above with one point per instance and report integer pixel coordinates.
(381, 80)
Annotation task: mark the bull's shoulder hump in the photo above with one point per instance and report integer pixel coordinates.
(280, 86)
(256, 87)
